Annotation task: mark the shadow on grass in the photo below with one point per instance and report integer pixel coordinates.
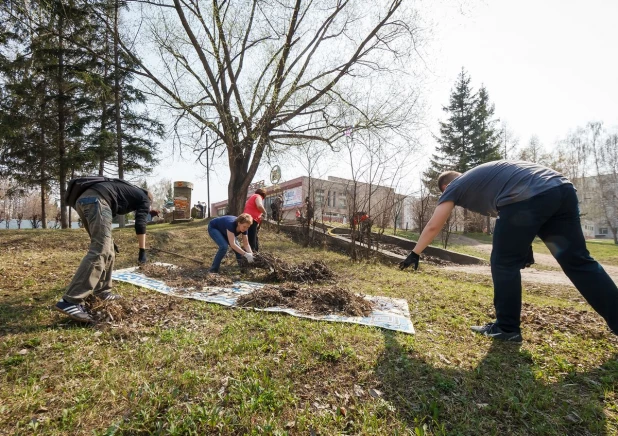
(501, 395)
(19, 314)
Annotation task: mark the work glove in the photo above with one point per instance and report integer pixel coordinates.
(529, 259)
(249, 257)
(116, 249)
(412, 259)
(141, 258)
(154, 212)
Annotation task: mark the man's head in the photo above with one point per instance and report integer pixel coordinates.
(261, 192)
(244, 222)
(445, 178)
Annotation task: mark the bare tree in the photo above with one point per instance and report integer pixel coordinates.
(605, 155)
(509, 142)
(450, 227)
(161, 193)
(422, 206)
(259, 74)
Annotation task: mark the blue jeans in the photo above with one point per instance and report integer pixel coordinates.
(553, 215)
(223, 244)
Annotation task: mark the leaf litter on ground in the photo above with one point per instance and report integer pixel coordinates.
(314, 300)
(308, 300)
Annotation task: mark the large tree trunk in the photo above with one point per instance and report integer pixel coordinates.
(241, 175)
(237, 188)
(62, 171)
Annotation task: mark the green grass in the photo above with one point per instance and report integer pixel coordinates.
(181, 367)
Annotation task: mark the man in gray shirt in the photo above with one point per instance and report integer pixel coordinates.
(529, 200)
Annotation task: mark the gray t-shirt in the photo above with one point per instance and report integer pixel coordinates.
(486, 188)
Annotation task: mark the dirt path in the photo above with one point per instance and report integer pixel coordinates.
(527, 275)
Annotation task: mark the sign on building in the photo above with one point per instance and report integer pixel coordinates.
(293, 197)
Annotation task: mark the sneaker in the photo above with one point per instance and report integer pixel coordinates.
(108, 296)
(493, 331)
(73, 311)
(213, 271)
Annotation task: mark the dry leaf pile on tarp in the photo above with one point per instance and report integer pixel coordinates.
(177, 277)
(316, 301)
(282, 271)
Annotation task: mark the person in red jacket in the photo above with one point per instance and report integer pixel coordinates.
(255, 207)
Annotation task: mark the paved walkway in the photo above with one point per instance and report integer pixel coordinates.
(527, 275)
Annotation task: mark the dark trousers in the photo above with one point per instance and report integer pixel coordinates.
(252, 235)
(553, 216)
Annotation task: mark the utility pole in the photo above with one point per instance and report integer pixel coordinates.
(199, 158)
(208, 179)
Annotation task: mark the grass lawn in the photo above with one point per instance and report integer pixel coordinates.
(181, 367)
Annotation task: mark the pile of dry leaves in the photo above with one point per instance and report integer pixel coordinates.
(282, 271)
(318, 301)
(177, 277)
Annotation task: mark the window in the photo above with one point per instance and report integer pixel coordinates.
(319, 196)
(603, 231)
(342, 201)
(332, 198)
(221, 211)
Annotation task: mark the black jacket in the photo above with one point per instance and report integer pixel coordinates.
(124, 198)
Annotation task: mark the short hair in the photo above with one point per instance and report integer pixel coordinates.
(447, 177)
(245, 218)
(261, 192)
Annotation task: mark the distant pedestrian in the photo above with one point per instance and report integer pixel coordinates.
(255, 207)
(529, 200)
(97, 204)
(308, 211)
(276, 207)
(223, 230)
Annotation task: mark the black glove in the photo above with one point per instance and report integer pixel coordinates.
(142, 255)
(529, 259)
(412, 259)
(116, 249)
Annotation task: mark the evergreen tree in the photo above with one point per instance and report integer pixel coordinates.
(456, 142)
(486, 135)
(123, 140)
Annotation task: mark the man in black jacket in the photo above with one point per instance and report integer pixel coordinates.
(96, 207)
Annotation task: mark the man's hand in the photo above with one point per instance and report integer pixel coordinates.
(412, 259)
(249, 257)
(116, 249)
(141, 258)
(529, 258)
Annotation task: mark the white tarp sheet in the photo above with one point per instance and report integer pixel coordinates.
(389, 313)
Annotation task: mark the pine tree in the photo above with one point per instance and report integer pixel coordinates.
(486, 136)
(456, 141)
(123, 140)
